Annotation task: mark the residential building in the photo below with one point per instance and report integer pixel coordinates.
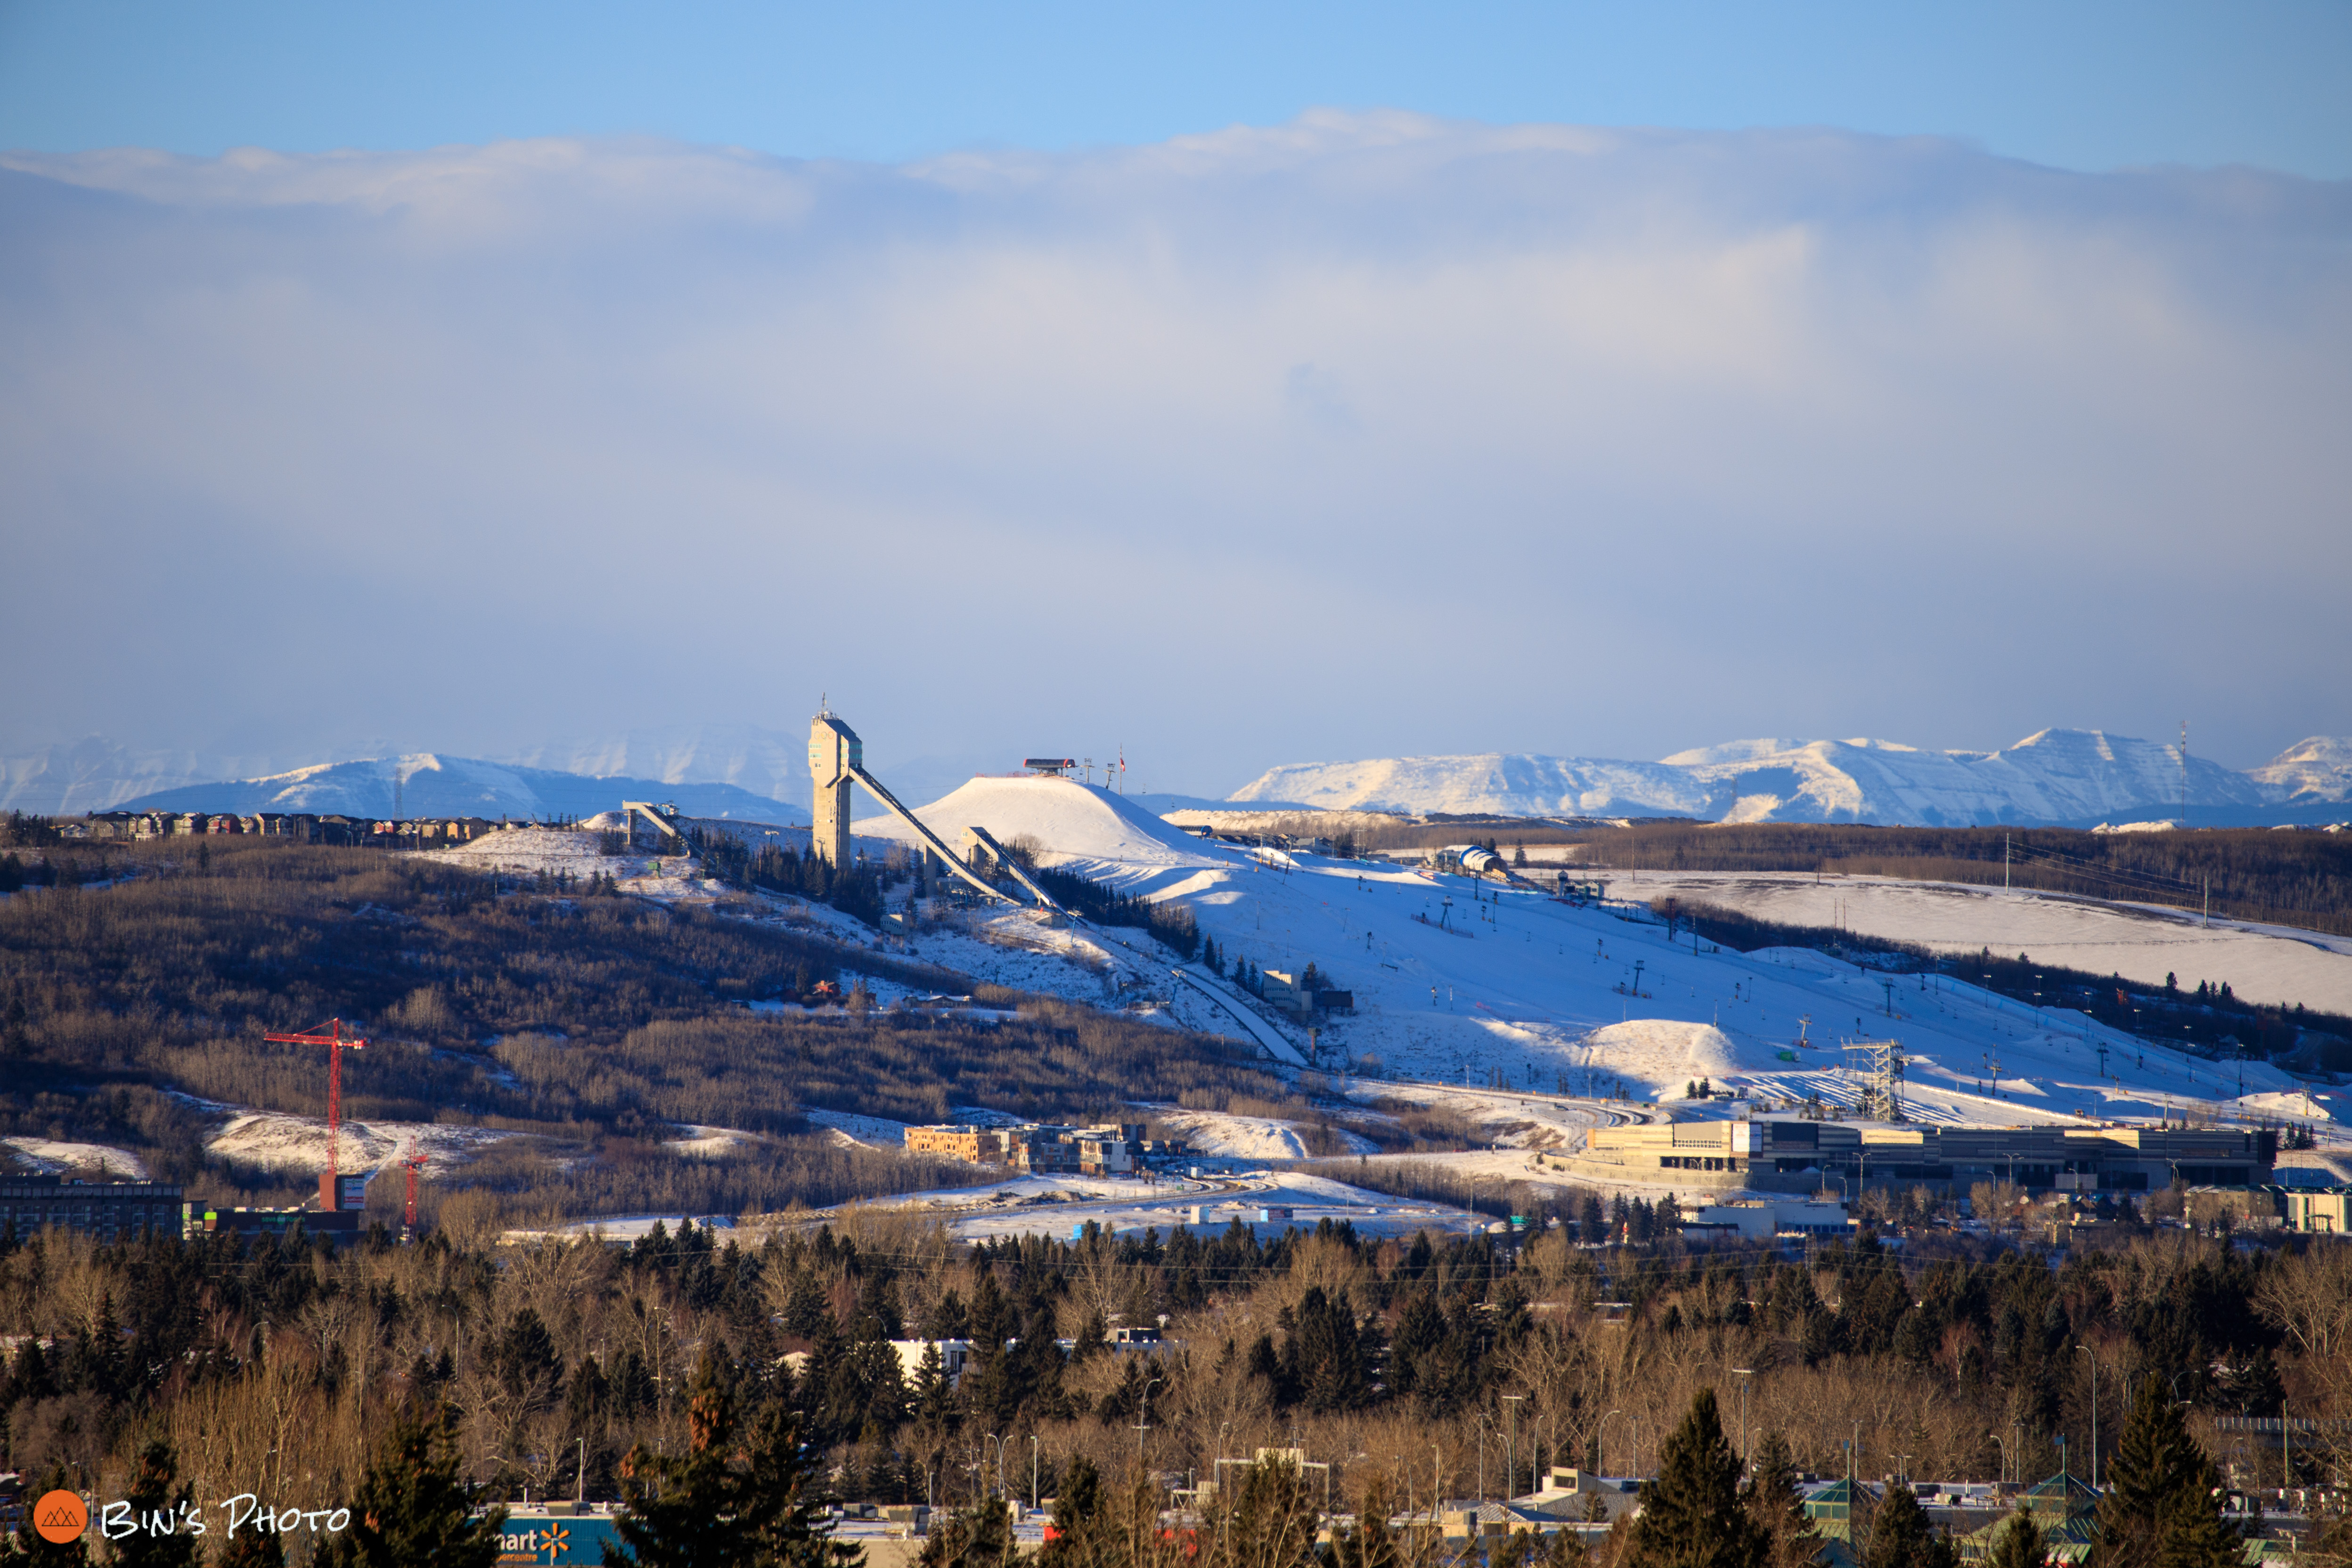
(953, 1354)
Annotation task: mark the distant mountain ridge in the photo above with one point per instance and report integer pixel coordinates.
(2054, 777)
(431, 784)
(2063, 777)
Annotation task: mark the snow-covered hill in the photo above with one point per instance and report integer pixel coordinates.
(2062, 776)
(1461, 982)
(431, 784)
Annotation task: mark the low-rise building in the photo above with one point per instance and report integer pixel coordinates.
(1036, 1147)
(1762, 1219)
(103, 1211)
(2321, 1211)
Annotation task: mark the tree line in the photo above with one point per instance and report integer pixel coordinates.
(1413, 1366)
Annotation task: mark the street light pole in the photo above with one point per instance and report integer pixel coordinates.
(2095, 1413)
(1744, 1374)
(1511, 1443)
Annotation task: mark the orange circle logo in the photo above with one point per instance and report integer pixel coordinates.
(60, 1516)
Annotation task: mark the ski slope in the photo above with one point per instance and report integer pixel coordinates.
(1456, 982)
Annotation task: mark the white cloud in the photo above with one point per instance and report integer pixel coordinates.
(1360, 434)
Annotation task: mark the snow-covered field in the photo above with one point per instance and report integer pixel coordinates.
(2270, 965)
(1060, 1205)
(545, 851)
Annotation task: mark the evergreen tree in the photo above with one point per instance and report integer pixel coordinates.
(411, 1509)
(1079, 1511)
(1901, 1537)
(729, 1500)
(152, 1496)
(2020, 1544)
(1778, 1507)
(1693, 1516)
(2161, 1508)
(980, 1536)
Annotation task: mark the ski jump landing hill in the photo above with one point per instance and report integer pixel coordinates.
(837, 760)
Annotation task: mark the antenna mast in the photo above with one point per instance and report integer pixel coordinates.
(2184, 772)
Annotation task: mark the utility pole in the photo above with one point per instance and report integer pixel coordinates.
(2095, 1413)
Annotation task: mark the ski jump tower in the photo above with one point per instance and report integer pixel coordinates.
(836, 761)
(836, 756)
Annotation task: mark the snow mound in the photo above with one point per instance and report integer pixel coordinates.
(1073, 821)
(279, 1141)
(1664, 1053)
(1248, 1137)
(47, 1157)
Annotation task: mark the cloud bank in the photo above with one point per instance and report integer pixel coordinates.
(1362, 435)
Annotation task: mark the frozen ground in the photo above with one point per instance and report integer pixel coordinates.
(871, 1131)
(47, 1157)
(532, 851)
(1059, 1206)
(1221, 1135)
(279, 1141)
(2270, 965)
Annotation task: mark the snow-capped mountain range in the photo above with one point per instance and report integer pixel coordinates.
(2078, 777)
(420, 783)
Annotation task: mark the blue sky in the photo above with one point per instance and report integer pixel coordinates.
(2080, 86)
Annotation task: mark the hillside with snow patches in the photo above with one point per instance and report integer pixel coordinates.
(2058, 777)
(1457, 982)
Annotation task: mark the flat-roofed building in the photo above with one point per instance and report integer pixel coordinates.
(1777, 1154)
(103, 1211)
(2321, 1211)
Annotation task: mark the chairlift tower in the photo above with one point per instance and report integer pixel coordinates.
(1880, 1071)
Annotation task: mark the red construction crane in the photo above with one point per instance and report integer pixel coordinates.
(335, 1041)
(416, 1162)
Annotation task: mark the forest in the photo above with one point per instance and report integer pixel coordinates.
(141, 983)
(1463, 1365)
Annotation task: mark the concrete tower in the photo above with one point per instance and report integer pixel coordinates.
(835, 751)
